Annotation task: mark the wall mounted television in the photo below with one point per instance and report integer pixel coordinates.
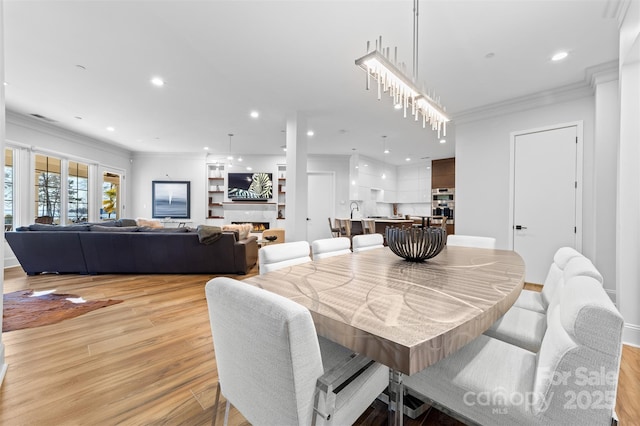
(250, 186)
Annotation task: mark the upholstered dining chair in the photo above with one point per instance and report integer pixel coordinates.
(525, 328)
(489, 381)
(471, 241)
(335, 230)
(367, 242)
(539, 301)
(328, 247)
(274, 368)
(276, 256)
(278, 232)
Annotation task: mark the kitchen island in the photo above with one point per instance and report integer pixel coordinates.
(381, 224)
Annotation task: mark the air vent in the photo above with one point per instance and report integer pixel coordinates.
(42, 117)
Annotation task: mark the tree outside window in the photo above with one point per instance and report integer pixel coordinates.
(48, 187)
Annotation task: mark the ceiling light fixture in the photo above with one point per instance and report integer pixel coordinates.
(254, 114)
(310, 133)
(559, 56)
(443, 141)
(401, 88)
(157, 81)
(230, 157)
(111, 129)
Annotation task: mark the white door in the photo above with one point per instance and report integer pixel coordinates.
(545, 173)
(320, 204)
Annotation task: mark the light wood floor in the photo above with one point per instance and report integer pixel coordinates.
(148, 360)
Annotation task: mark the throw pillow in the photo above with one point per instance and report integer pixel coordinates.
(243, 229)
(151, 223)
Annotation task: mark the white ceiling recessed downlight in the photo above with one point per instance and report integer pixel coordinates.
(157, 81)
(559, 56)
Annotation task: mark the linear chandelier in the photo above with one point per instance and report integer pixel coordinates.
(401, 88)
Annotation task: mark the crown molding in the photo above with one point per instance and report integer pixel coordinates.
(536, 100)
(602, 73)
(595, 75)
(59, 132)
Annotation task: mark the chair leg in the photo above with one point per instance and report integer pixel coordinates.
(215, 406)
(226, 413)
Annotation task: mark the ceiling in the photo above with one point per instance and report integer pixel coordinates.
(88, 64)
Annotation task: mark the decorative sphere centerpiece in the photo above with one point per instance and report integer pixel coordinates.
(416, 244)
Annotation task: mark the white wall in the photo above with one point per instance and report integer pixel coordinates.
(187, 167)
(483, 161)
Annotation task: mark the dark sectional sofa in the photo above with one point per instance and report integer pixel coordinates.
(99, 249)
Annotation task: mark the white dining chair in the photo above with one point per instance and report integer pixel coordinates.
(471, 241)
(367, 242)
(273, 367)
(539, 301)
(328, 247)
(525, 328)
(489, 381)
(277, 256)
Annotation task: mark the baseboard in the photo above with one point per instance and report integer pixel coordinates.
(631, 335)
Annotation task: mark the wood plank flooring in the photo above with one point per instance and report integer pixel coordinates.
(149, 360)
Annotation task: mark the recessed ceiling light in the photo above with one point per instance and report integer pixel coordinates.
(366, 165)
(230, 157)
(239, 158)
(443, 141)
(157, 81)
(559, 56)
(398, 106)
(254, 114)
(249, 168)
(310, 133)
(407, 159)
(386, 151)
(6, 84)
(111, 129)
(206, 148)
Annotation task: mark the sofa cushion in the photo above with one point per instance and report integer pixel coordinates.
(99, 228)
(126, 222)
(243, 229)
(57, 228)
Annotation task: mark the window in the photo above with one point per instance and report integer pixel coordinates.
(48, 189)
(78, 192)
(110, 195)
(8, 189)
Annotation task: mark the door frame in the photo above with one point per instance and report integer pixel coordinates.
(579, 175)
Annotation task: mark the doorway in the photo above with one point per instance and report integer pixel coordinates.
(546, 200)
(320, 204)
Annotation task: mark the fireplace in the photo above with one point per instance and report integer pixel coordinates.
(257, 226)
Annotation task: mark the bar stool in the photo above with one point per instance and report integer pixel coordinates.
(368, 226)
(335, 229)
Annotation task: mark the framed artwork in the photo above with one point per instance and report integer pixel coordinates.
(171, 199)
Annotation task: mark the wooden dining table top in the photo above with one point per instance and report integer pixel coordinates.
(405, 315)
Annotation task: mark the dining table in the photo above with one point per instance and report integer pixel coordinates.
(405, 315)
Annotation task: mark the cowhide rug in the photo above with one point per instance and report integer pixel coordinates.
(23, 309)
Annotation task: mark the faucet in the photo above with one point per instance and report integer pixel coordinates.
(352, 208)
